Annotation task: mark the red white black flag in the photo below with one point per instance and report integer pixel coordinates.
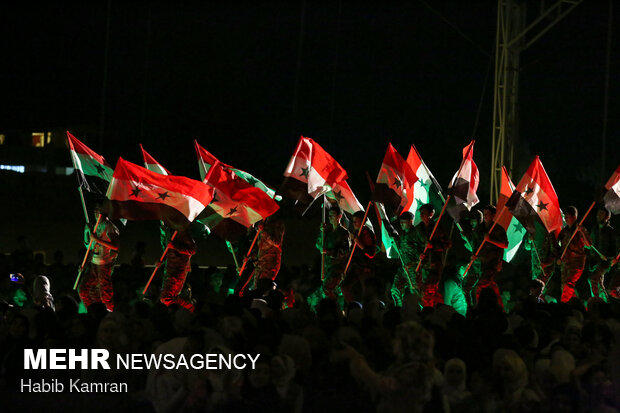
(135, 193)
(535, 199)
(236, 204)
(94, 173)
(395, 182)
(151, 164)
(611, 199)
(206, 160)
(311, 172)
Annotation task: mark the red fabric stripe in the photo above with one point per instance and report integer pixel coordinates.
(615, 178)
(149, 160)
(505, 192)
(227, 182)
(78, 147)
(128, 171)
(536, 173)
(323, 163)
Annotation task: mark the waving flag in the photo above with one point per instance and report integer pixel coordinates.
(236, 204)
(206, 160)
(135, 193)
(514, 230)
(611, 199)
(94, 173)
(151, 164)
(395, 182)
(535, 199)
(343, 195)
(464, 185)
(426, 189)
(311, 172)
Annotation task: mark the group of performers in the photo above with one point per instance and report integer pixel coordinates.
(350, 257)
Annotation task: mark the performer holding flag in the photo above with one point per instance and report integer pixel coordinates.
(432, 259)
(335, 244)
(394, 191)
(174, 289)
(96, 283)
(604, 242)
(269, 250)
(490, 255)
(310, 174)
(94, 175)
(573, 240)
(362, 262)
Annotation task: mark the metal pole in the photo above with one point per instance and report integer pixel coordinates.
(160, 262)
(358, 234)
(90, 244)
(577, 229)
(417, 268)
(475, 256)
(323, 241)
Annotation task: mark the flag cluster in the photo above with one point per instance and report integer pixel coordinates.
(229, 200)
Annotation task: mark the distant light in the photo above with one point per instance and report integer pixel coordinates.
(62, 170)
(15, 168)
(38, 139)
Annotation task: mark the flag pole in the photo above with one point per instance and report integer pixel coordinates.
(539, 260)
(546, 281)
(245, 261)
(323, 240)
(311, 203)
(83, 205)
(90, 244)
(232, 251)
(439, 191)
(475, 256)
(79, 186)
(445, 255)
(615, 261)
(577, 229)
(247, 256)
(160, 262)
(417, 268)
(359, 232)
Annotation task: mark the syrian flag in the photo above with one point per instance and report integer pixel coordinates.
(395, 182)
(464, 185)
(236, 204)
(152, 165)
(535, 199)
(206, 160)
(93, 172)
(343, 195)
(135, 193)
(426, 189)
(611, 199)
(514, 230)
(311, 172)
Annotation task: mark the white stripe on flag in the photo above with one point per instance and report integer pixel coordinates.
(121, 190)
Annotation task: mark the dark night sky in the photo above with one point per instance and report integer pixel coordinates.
(371, 72)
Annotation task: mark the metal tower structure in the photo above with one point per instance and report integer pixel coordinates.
(514, 35)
